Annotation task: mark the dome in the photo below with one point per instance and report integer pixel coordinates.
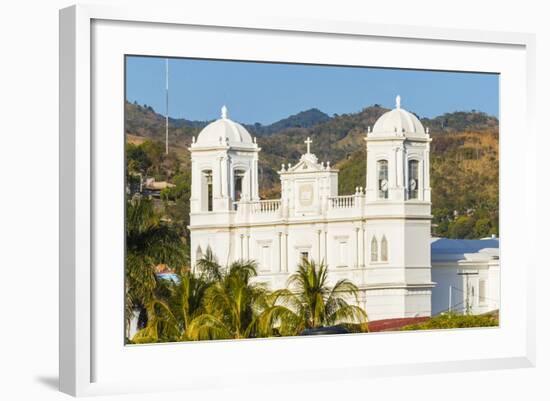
(398, 121)
(224, 131)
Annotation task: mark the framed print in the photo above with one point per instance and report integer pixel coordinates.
(280, 199)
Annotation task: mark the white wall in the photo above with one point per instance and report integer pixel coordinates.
(28, 160)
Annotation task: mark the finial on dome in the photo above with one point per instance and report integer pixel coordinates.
(224, 112)
(398, 102)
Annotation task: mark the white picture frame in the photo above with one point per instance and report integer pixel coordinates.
(89, 365)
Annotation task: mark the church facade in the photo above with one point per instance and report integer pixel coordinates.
(378, 237)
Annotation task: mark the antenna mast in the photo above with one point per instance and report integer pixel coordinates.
(166, 74)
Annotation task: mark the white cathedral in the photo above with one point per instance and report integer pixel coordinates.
(379, 237)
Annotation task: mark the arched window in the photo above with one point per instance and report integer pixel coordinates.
(383, 184)
(238, 181)
(413, 179)
(374, 250)
(207, 191)
(384, 249)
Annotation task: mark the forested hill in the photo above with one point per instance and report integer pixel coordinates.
(304, 119)
(464, 168)
(144, 121)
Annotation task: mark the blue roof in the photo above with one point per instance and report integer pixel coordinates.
(446, 249)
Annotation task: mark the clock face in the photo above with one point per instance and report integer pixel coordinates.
(384, 185)
(412, 184)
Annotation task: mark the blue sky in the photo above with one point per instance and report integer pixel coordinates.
(267, 92)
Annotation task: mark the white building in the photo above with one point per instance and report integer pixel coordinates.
(378, 237)
(467, 273)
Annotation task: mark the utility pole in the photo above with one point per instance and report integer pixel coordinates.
(166, 77)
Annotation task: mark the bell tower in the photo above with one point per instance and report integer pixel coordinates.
(398, 208)
(398, 158)
(224, 163)
(224, 170)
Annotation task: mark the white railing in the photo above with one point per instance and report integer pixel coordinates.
(265, 206)
(342, 202)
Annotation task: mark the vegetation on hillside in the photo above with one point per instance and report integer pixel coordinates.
(304, 119)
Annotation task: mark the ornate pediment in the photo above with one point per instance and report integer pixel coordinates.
(308, 163)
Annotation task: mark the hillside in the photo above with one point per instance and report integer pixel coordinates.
(464, 157)
(304, 119)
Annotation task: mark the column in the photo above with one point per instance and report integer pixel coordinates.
(216, 180)
(255, 183)
(426, 189)
(280, 234)
(395, 168)
(363, 245)
(232, 184)
(421, 181)
(242, 246)
(400, 168)
(326, 247)
(319, 246)
(406, 177)
(248, 246)
(251, 179)
(356, 247)
(286, 252)
(195, 186)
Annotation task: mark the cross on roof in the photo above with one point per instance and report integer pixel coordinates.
(308, 142)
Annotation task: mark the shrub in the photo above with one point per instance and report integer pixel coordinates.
(455, 321)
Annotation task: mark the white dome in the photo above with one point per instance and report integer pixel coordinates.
(398, 122)
(223, 131)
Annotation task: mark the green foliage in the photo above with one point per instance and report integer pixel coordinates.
(352, 172)
(454, 321)
(176, 203)
(214, 303)
(460, 121)
(137, 160)
(149, 242)
(309, 302)
(230, 305)
(317, 303)
(149, 159)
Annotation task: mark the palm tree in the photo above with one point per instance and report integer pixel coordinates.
(186, 301)
(208, 267)
(232, 304)
(309, 302)
(162, 325)
(149, 242)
